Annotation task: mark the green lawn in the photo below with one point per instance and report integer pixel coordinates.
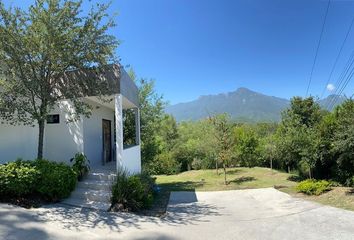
(238, 178)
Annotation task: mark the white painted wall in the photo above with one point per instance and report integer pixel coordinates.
(132, 159)
(93, 143)
(62, 141)
(17, 142)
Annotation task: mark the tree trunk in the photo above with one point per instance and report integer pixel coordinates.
(271, 163)
(225, 180)
(288, 168)
(310, 173)
(40, 138)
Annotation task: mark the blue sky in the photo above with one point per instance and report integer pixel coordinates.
(198, 47)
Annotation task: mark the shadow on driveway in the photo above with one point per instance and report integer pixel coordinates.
(13, 224)
(181, 211)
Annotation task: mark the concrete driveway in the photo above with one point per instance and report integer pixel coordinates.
(245, 214)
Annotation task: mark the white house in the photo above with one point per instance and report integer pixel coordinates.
(99, 137)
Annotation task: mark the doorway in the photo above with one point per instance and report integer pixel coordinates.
(107, 141)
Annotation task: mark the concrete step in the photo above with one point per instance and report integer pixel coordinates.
(91, 195)
(94, 191)
(96, 184)
(87, 204)
(101, 176)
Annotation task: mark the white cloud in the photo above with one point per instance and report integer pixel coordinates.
(330, 87)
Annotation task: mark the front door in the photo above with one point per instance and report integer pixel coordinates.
(107, 141)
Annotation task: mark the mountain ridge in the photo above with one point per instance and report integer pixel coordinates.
(243, 105)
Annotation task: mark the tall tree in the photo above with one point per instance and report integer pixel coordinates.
(223, 135)
(246, 146)
(38, 46)
(343, 141)
(296, 134)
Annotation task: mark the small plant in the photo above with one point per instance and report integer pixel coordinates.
(81, 165)
(132, 192)
(313, 187)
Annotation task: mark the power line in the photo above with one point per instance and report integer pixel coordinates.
(342, 76)
(342, 88)
(318, 46)
(337, 58)
(342, 82)
(341, 79)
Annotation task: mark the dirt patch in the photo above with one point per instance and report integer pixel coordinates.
(29, 201)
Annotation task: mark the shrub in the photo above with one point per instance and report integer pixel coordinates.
(132, 193)
(18, 178)
(81, 165)
(350, 182)
(164, 163)
(57, 180)
(313, 187)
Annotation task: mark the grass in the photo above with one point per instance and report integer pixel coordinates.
(238, 178)
(340, 197)
(247, 178)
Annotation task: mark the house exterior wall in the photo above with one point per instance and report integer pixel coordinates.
(132, 159)
(92, 127)
(17, 142)
(62, 141)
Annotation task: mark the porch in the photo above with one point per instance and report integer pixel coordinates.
(111, 139)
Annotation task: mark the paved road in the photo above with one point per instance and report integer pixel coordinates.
(245, 214)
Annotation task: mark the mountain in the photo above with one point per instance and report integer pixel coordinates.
(328, 102)
(243, 105)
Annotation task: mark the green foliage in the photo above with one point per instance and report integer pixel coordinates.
(52, 181)
(151, 115)
(164, 163)
(313, 187)
(308, 141)
(224, 141)
(81, 165)
(18, 178)
(246, 146)
(343, 140)
(296, 135)
(57, 180)
(132, 192)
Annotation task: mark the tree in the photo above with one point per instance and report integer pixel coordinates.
(167, 136)
(151, 115)
(310, 148)
(38, 47)
(223, 135)
(343, 141)
(295, 133)
(246, 146)
(269, 149)
(152, 120)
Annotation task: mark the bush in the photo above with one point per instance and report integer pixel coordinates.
(132, 193)
(81, 165)
(350, 182)
(57, 180)
(48, 180)
(18, 178)
(164, 163)
(313, 187)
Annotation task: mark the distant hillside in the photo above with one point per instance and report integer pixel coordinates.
(243, 105)
(328, 101)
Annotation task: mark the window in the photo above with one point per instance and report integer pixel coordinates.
(53, 119)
